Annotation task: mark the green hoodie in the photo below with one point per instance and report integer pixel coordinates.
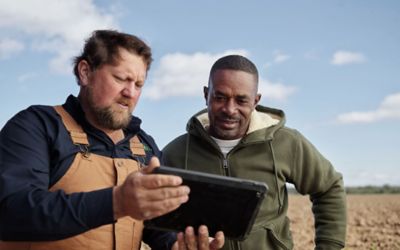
(276, 155)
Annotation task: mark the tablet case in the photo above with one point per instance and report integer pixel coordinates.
(221, 203)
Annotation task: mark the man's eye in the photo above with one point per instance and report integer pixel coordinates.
(118, 78)
(139, 85)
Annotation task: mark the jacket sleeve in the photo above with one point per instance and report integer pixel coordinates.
(28, 211)
(315, 175)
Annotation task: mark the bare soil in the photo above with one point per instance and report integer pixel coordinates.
(373, 222)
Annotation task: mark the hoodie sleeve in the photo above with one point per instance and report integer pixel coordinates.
(313, 174)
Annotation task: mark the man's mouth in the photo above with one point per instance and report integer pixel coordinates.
(123, 104)
(228, 123)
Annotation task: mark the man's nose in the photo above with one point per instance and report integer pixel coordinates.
(129, 89)
(230, 106)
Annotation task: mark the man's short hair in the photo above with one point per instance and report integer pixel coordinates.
(102, 47)
(235, 62)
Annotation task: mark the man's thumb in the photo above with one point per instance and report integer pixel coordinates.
(153, 163)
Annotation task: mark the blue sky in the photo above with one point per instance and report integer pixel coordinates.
(332, 66)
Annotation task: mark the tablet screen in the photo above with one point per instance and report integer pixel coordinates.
(221, 203)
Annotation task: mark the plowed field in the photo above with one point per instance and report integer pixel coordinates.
(373, 222)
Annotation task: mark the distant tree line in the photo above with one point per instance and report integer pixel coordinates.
(385, 189)
(369, 189)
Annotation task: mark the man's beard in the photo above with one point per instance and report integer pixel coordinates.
(108, 118)
(224, 133)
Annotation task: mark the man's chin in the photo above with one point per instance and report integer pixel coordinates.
(225, 134)
(119, 122)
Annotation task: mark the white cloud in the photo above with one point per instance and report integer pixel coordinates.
(10, 47)
(280, 57)
(181, 74)
(389, 109)
(347, 57)
(275, 90)
(59, 27)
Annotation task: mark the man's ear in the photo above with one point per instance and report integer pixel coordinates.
(205, 92)
(257, 99)
(84, 72)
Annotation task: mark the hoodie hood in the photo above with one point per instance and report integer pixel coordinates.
(264, 122)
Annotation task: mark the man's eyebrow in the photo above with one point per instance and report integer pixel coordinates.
(219, 93)
(242, 97)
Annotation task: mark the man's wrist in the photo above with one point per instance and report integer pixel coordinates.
(117, 201)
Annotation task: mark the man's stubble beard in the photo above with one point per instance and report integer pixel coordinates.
(106, 117)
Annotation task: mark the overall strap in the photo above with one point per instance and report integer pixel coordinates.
(137, 147)
(76, 132)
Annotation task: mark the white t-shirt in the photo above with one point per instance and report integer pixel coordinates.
(226, 145)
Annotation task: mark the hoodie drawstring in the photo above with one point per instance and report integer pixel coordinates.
(276, 176)
(187, 151)
(280, 203)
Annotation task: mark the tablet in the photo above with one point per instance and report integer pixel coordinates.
(221, 203)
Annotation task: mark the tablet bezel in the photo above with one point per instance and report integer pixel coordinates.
(237, 197)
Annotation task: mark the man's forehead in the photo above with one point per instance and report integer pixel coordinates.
(230, 73)
(234, 86)
(231, 92)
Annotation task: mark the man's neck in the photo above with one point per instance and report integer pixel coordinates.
(226, 145)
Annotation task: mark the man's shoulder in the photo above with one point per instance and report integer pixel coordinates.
(173, 154)
(34, 113)
(33, 124)
(176, 144)
(38, 108)
(288, 132)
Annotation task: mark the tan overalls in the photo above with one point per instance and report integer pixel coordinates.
(90, 172)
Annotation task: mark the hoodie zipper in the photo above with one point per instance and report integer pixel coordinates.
(225, 166)
(225, 159)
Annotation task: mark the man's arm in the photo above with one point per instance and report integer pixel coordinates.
(329, 211)
(315, 175)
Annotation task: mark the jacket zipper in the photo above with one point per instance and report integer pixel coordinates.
(225, 166)
(225, 159)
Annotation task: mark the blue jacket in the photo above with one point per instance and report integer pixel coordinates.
(35, 152)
